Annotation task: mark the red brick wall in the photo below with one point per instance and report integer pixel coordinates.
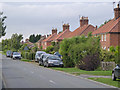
(111, 40)
(105, 43)
(115, 39)
(45, 44)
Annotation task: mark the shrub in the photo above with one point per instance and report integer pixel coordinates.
(82, 52)
(49, 49)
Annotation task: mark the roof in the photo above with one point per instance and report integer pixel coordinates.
(50, 38)
(111, 26)
(63, 35)
(82, 30)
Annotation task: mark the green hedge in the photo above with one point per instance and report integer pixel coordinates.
(28, 55)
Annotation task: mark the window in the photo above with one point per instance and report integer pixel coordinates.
(102, 37)
(105, 37)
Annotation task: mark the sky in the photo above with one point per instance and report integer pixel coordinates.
(40, 17)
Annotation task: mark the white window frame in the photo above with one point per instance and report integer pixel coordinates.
(104, 37)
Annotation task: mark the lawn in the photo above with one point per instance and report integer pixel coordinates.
(26, 60)
(78, 71)
(107, 81)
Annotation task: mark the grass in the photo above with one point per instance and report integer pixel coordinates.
(76, 71)
(107, 81)
(26, 60)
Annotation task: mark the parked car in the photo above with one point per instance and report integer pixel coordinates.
(116, 72)
(53, 60)
(38, 54)
(57, 53)
(8, 53)
(43, 58)
(16, 55)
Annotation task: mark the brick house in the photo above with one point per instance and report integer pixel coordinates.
(66, 31)
(84, 28)
(47, 42)
(110, 32)
(39, 43)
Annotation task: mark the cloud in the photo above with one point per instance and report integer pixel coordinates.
(27, 18)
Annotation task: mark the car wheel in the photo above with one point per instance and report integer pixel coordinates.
(39, 63)
(44, 64)
(47, 65)
(113, 77)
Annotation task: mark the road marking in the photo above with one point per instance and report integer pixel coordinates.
(52, 81)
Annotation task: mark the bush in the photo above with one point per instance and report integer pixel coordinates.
(49, 49)
(82, 52)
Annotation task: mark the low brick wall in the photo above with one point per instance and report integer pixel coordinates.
(107, 65)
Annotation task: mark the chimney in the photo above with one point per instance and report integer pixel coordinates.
(83, 21)
(54, 31)
(117, 12)
(66, 26)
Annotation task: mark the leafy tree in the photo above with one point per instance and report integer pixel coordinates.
(2, 25)
(34, 38)
(15, 41)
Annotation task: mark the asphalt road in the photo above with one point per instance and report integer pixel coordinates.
(18, 74)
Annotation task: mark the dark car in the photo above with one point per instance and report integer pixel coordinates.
(8, 53)
(43, 58)
(116, 72)
(53, 60)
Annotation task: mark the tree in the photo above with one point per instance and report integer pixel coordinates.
(34, 38)
(15, 41)
(2, 25)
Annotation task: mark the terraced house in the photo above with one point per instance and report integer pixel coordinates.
(83, 29)
(110, 32)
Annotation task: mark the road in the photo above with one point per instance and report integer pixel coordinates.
(19, 74)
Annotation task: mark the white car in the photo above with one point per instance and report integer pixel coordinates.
(16, 55)
(38, 55)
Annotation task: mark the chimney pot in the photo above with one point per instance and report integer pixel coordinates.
(66, 26)
(117, 12)
(83, 21)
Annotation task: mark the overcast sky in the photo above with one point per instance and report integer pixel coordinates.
(39, 18)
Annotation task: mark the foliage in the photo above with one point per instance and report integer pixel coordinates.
(35, 48)
(28, 55)
(2, 25)
(15, 41)
(34, 38)
(82, 52)
(49, 49)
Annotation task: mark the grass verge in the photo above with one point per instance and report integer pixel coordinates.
(107, 81)
(26, 60)
(76, 71)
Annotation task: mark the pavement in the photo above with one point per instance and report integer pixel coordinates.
(19, 74)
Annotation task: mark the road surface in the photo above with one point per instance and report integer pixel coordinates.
(19, 74)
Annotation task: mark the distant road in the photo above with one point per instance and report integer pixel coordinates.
(18, 74)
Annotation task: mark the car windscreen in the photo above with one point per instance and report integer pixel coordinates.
(54, 58)
(16, 53)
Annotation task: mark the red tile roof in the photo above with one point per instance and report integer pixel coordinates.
(111, 26)
(50, 38)
(82, 30)
(63, 35)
